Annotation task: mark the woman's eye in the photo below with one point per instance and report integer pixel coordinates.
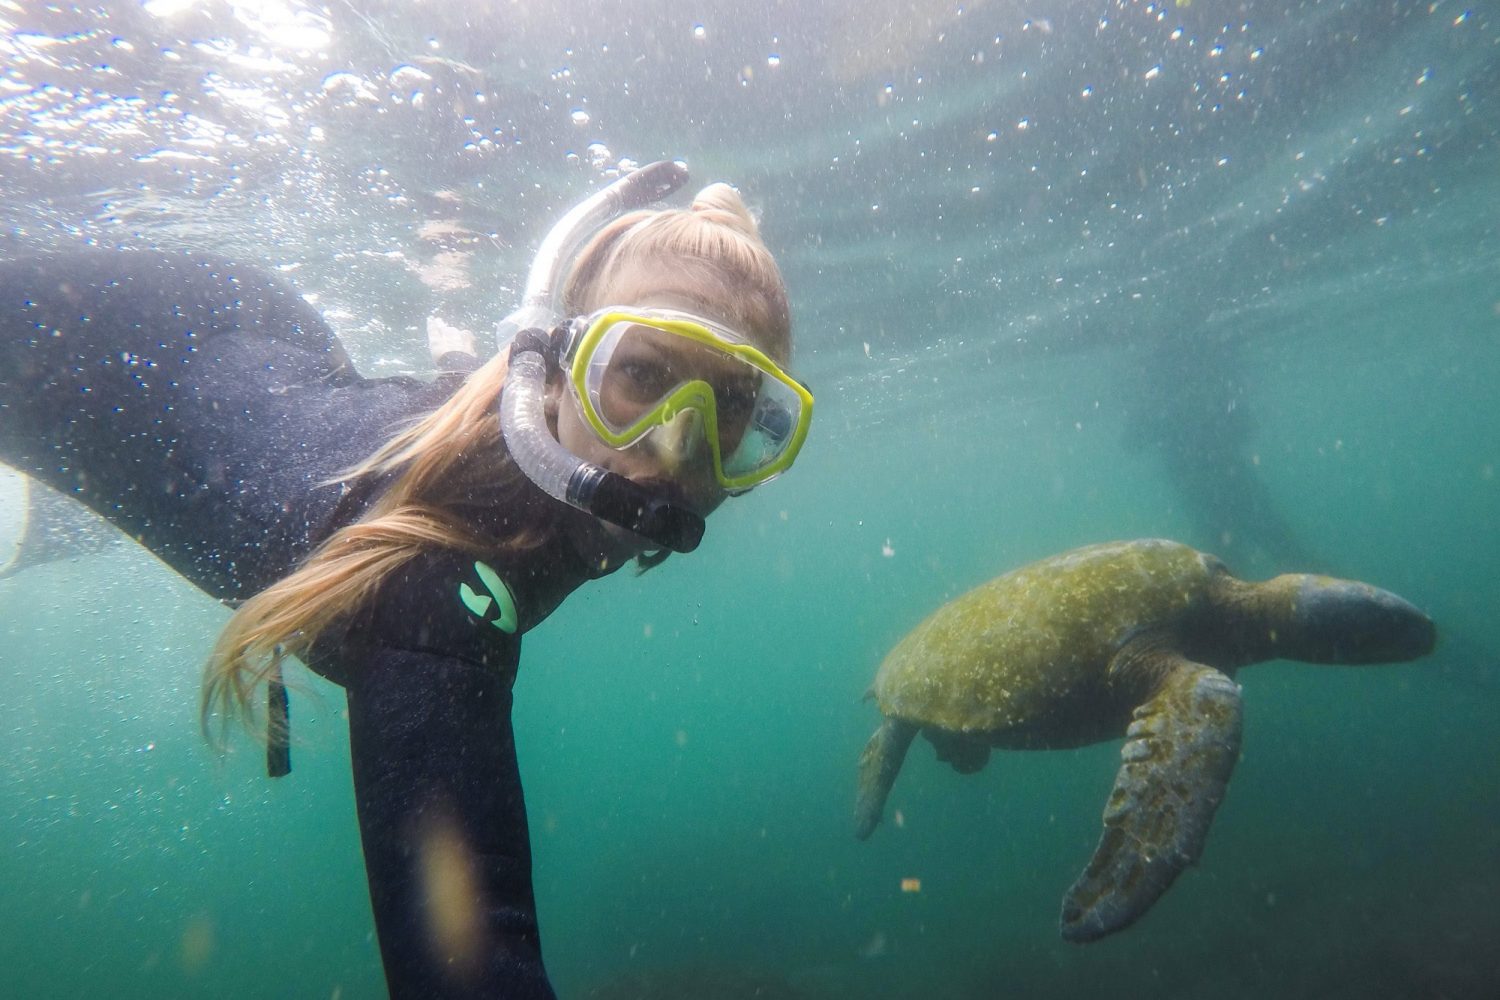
(647, 376)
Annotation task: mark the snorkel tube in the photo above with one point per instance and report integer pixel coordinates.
(539, 306)
(564, 476)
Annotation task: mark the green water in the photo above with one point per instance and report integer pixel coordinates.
(1086, 330)
(690, 793)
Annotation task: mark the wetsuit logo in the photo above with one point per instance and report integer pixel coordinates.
(499, 596)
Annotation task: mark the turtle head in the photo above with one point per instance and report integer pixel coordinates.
(1320, 619)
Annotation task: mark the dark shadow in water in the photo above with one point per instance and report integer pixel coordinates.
(1187, 406)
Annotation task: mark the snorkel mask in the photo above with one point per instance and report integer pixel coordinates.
(634, 371)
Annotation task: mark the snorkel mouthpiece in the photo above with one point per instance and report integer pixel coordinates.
(606, 495)
(613, 498)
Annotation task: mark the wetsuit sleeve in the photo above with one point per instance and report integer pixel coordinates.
(200, 405)
(443, 824)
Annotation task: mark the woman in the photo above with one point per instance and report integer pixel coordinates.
(207, 410)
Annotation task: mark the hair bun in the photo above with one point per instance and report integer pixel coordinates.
(721, 203)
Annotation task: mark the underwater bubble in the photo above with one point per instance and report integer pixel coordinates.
(580, 116)
(408, 76)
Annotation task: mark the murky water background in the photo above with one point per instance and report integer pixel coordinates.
(1227, 273)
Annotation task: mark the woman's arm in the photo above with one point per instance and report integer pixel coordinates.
(443, 824)
(197, 403)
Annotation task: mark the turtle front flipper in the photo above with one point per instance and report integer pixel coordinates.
(879, 763)
(1177, 759)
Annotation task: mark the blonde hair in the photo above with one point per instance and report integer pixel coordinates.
(438, 465)
(715, 247)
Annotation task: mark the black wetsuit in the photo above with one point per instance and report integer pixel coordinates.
(197, 404)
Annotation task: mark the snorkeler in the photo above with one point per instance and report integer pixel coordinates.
(207, 410)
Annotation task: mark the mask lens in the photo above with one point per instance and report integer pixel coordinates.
(634, 370)
(768, 432)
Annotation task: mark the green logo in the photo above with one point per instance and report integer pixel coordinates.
(499, 595)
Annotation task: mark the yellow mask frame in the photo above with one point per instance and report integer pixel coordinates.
(780, 418)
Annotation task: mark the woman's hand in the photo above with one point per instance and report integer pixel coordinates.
(445, 338)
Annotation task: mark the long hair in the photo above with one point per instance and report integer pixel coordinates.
(434, 466)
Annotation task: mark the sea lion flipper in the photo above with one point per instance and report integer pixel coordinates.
(879, 763)
(1177, 759)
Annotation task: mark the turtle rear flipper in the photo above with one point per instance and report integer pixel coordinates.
(1177, 759)
(879, 763)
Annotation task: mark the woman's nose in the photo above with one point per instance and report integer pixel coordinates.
(679, 443)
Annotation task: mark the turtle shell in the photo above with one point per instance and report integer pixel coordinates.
(1030, 645)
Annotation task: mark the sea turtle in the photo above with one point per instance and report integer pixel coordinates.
(1137, 639)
